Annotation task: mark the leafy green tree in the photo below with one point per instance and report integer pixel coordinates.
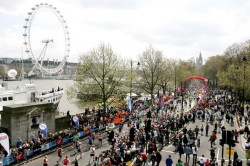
(213, 65)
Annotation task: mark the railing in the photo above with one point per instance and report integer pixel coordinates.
(25, 154)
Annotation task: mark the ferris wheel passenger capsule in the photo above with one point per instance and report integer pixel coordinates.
(37, 5)
(26, 19)
(27, 51)
(25, 43)
(29, 13)
(25, 26)
(24, 34)
(33, 8)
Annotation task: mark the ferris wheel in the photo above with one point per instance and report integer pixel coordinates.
(39, 58)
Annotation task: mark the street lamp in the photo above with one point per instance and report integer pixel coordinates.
(182, 99)
(244, 59)
(131, 74)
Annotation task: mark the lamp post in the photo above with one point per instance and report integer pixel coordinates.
(131, 74)
(182, 99)
(174, 82)
(244, 59)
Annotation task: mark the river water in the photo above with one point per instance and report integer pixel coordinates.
(47, 85)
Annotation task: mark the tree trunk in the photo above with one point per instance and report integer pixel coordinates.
(104, 108)
(152, 101)
(164, 90)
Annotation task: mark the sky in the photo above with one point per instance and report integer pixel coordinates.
(181, 29)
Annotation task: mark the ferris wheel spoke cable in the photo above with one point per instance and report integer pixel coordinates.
(28, 24)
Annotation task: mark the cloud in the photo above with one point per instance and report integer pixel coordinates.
(178, 28)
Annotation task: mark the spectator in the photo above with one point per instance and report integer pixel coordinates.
(188, 151)
(169, 161)
(19, 143)
(158, 158)
(194, 151)
(202, 160)
(179, 163)
(45, 161)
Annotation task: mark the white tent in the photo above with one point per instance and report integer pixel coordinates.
(132, 94)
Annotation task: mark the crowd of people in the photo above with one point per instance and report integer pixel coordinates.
(139, 141)
(147, 136)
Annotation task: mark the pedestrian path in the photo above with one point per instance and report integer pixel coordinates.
(243, 139)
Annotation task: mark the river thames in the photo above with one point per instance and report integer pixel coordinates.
(47, 85)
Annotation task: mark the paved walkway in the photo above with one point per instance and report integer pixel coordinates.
(242, 138)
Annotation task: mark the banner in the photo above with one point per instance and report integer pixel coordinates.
(130, 104)
(76, 120)
(37, 150)
(100, 127)
(31, 152)
(66, 140)
(44, 147)
(92, 131)
(82, 133)
(8, 160)
(4, 141)
(52, 144)
(43, 127)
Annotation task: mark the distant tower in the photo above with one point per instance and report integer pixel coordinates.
(199, 61)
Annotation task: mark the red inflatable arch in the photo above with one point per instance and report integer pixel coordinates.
(195, 77)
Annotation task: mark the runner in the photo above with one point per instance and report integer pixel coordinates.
(59, 153)
(93, 136)
(90, 140)
(100, 139)
(77, 146)
(79, 150)
(76, 162)
(66, 161)
(92, 153)
(45, 161)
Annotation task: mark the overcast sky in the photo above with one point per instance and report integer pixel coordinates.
(179, 28)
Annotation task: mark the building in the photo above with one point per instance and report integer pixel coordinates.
(199, 61)
(15, 63)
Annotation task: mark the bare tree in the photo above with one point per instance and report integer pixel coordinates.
(100, 71)
(164, 80)
(150, 71)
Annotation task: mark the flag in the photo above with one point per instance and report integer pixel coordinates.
(76, 120)
(43, 127)
(145, 101)
(4, 141)
(130, 104)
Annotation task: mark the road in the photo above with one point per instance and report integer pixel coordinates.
(205, 146)
(70, 151)
(166, 151)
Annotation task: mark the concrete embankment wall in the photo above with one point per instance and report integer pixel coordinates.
(62, 123)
